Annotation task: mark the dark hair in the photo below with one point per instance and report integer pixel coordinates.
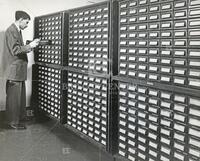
(21, 14)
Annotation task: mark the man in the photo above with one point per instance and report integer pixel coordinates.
(16, 69)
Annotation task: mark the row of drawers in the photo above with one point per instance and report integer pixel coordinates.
(164, 4)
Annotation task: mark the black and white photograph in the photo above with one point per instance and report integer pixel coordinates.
(100, 80)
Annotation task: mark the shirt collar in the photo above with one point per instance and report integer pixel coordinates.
(17, 27)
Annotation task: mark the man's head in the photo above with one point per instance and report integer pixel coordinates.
(22, 18)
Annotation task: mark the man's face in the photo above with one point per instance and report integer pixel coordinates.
(23, 23)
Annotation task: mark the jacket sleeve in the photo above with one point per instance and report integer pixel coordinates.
(14, 45)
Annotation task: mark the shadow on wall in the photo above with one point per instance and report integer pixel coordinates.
(2, 80)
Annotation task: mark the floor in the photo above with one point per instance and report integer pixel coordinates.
(47, 141)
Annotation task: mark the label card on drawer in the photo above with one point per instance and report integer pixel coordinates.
(179, 127)
(154, 26)
(153, 153)
(179, 146)
(122, 138)
(194, 112)
(179, 107)
(122, 108)
(132, 88)
(122, 123)
(142, 123)
(168, 15)
(166, 70)
(165, 95)
(194, 82)
(166, 7)
(194, 152)
(131, 135)
(142, 90)
(164, 158)
(194, 63)
(131, 150)
(180, 98)
(194, 53)
(194, 122)
(132, 119)
(180, 14)
(103, 129)
(142, 98)
(123, 146)
(133, 96)
(153, 51)
(165, 78)
(153, 92)
(152, 136)
(122, 153)
(179, 137)
(153, 77)
(131, 103)
(142, 148)
(193, 72)
(165, 113)
(141, 139)
(194, 33)
(153, 101)
(122, 131)
(165, 150)
(103, 122)
(153, 118)
(194, 142)
(194, 101)
(166, 34)
(152, 144)
(130, 142)
(180, 24)
(122, 115)
(103, 135)
(180, 33)
(96, 138)
(141, 114)
(194, 43)
(165, 140)
(180, 4)
(166, 25)
(166, 122)
(132, 127)
(153, 109)
(179, 117)
(179, 80)
(194, 132)
(141, 156)
(179, 71)
(131, 111)
(142, 106)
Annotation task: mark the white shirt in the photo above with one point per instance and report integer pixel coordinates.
(17, 27)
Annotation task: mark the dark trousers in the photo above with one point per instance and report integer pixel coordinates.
(15, 101)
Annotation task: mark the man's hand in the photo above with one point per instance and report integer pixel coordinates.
(34, 43)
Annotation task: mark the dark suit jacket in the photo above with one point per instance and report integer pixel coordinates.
(15, 55)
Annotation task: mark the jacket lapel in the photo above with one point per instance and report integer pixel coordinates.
(18, 34)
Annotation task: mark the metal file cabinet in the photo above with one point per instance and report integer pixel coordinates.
(87, 105)
(157, 124)
(149, 49)
(48, 91)
(89, 38)
(79, 50)
(50, 27)
(158, 80)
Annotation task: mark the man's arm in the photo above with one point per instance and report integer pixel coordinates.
(14, 44)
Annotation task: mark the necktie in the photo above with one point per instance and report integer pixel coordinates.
(20, 32)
